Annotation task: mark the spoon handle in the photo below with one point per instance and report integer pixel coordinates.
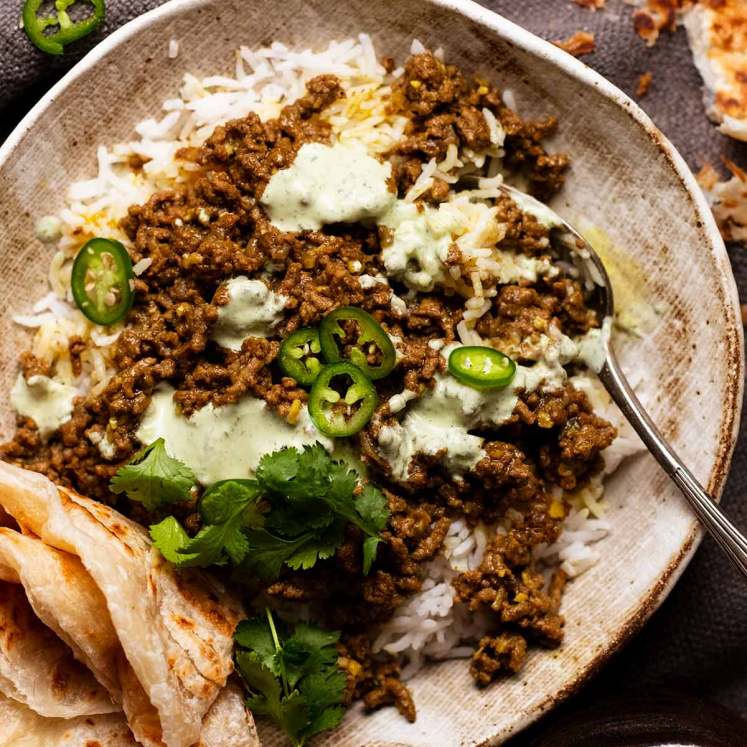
(731, 540)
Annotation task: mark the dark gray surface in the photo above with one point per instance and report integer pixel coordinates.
(696, 641)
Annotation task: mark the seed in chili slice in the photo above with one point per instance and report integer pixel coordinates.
(342, 400)
(101, 281)
(299, 356)
(68, 30)
(481, 367)
(372, 340)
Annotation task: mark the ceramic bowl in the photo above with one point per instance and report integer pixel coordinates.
(627, 182)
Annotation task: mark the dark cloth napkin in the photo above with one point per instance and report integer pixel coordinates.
(696, 642)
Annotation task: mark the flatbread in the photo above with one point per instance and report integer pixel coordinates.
(65, 598)
(21, 727)
(228, 723)
(728, 200)
(717, 31)
(38, 669)
(175, 628)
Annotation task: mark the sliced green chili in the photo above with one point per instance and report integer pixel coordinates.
(336, 414)
(481, 367)
(102, 281)
(68, 31)
(371, 338)
(299, 356)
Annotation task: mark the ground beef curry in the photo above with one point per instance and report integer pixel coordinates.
(214, 229)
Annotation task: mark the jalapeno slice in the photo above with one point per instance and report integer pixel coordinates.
(68, 30)
(371, 338)
(481, 367)
(299, 356)
(102, 281)
(336, 414)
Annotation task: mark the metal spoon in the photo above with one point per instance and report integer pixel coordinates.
(580, 254)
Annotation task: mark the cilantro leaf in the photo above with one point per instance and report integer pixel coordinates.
(308, 650)
(213, 542)
(227, 498)
(293, 678)
(323, 546)
(227, 509)
(268, 552)
(169, 537)
(370, 546)
(328, 718)
(292, 520)
(323, 692)
(293, 514)
(277, 469)
(296, 476)
(154, 478)
(373, 508)
(254, 634)
(289, 712)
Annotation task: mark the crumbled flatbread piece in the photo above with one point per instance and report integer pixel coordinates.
(654, 16)
(581, 43)
(590, 4)
(728, 200)
(644, 84)
(717, 31)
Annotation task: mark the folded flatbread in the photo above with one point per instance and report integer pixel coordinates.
(175, 628)
(65, 598)
(22, 727)
(226, 725)
(38, 669)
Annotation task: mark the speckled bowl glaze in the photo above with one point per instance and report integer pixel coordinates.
(626, 180)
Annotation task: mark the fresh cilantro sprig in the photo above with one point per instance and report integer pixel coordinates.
(294, 513)
(228, 509)
(293, 678)
(154, 478)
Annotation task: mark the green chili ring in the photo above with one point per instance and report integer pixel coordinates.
(297, 357)
(102, 280)
(69, 30)
(481, 367)
(370, 332)
(323, 398)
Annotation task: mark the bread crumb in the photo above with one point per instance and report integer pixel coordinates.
(581, 43)
(655, 16)
(590, 4)
(728, 199)
(644, 83)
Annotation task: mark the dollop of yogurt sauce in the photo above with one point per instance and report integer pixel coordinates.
(443, 417)
(222, 443)
(252, 311)
(47, 402)
(344, 184)
(328, 184)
